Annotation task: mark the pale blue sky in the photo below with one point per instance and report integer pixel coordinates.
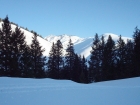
(83, 18)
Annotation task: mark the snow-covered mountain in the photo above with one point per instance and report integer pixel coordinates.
(82, 46)
(45, 44)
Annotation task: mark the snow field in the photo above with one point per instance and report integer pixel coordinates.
(25, 91)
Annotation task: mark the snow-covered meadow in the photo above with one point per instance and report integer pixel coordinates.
(25, 91)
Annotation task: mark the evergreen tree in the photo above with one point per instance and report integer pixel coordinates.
(129, 58)
(38, 60)
(52, 71)
(55, 62)
(108, 66)
(120, 58)
(76, 69)
(59, 57)
(102, 49)
(84, 72)
(26, 63)
(69, 59)
(136, 38)
(5, 45)
(18, 45)
(1, 52)
(94, 62)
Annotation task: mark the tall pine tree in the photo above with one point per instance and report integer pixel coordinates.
(76, 68)
(84, 72)
(38, 60)
(18, 46)
(59, 57)
(94, 62)
(102, 49)
(55, 61)
(108, 65)
(136, 38)
(69, 59)
(5, 45)
(120, 58)
(129, 58)
(26, 63)
(52, 71)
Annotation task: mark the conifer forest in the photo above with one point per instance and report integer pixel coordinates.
(108, 60)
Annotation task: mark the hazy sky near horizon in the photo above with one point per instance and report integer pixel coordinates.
(83, 18)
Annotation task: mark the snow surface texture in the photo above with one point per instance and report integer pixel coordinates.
(82, 46)
(21, 91)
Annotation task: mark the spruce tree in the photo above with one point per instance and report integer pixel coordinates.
(52, 71)
(136, 38)
(120, 58)
(108, 60)
(55, 61)
(59, 57)
(94, 62)
(18, 45)
(102, 49)
(38, 60)
(129, 58)
(69, 59)
(76, 68)
(5, 45)
(1, 52)
(84, 72)
(26, 63)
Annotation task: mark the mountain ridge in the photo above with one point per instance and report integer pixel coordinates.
(82, 46)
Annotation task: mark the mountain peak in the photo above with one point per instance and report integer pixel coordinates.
(63, 38)
(82, 46)
(111, 34)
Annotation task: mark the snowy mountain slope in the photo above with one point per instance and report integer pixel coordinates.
(25, 91)
(82, 46)
(45, 44)
(64, 39)
(115, 37)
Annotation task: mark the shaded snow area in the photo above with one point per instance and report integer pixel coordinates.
(21, 91)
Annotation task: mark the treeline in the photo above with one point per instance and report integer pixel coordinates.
(32, 31)
(17, 59)
(108, 60)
